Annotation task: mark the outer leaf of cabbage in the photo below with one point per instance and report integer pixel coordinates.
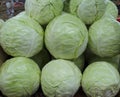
(66, 37)
(101, 79)
(60, 78)
(19, 77)
(104, 37)
(43, 11)
(21, 36)
(111, 10)
(88, 10)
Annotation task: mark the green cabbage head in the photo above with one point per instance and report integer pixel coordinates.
(43, 11)
(101, 79)
(60, 78)
(88, 10)
(19, 77)
(111, 10)
(66, 37)
(21, 36)
(104, 37)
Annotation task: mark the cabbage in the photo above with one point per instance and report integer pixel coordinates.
(104, 37)
(60, 78)
(66, 37)
(21, 36)
(101, 79)
(111, 10)
(88, 10)
(1, 23)
(42, 58)
(43, 11)
(19, 77)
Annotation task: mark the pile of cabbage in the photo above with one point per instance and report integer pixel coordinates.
(61, 46)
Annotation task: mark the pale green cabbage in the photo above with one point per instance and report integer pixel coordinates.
(66, 37)
(19, 77)
(21, 36)
(104, 37)
(111, 10)
(88, 10)
(101, 79)
(43, 11)
(60, 78)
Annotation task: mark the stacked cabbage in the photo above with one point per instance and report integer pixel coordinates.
(19, 77)
(101, 79)
(66, 37)
(21, 36)
(60, 46)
